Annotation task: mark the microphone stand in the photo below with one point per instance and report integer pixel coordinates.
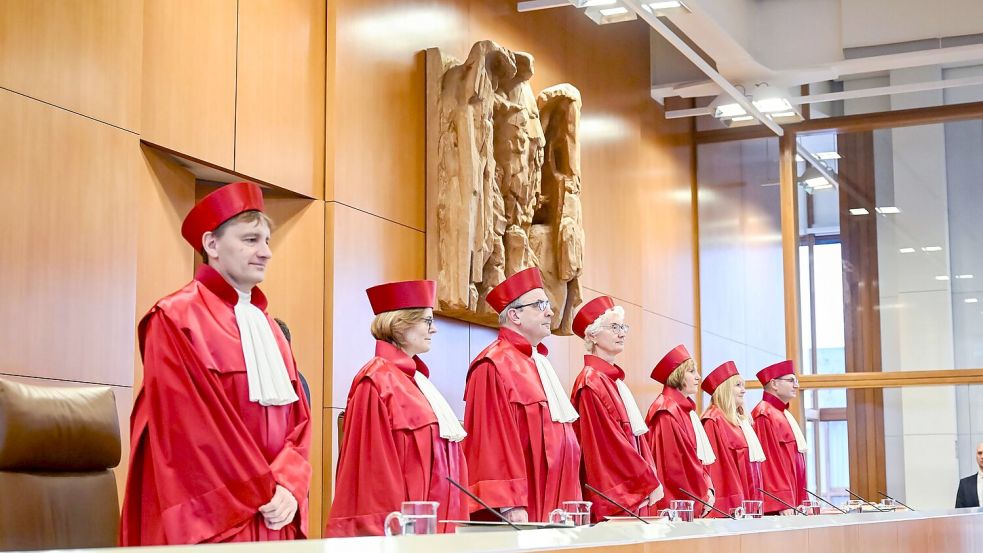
(483, 504)
(778, 499)
(897, 500)
(705, 504)
(820, 498)
(613, 502)
(876, 508)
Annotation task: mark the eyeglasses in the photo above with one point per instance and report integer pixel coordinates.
(792, 380)
(618, 328)
(429, 321)
(542, 305)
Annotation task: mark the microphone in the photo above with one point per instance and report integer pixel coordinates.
(876, 508)
(705, 504)
(483, 504)
(897, 500)
(820, 498)
(613, 502)
(778, 499)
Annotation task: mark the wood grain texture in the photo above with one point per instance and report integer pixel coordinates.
(69, 247)
(280, 94)
(82, 55)
(189, 77)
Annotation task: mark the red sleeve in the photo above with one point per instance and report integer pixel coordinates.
(370, 482)
(493, 448)
(727, 488)
(204, 467)
(611, 462)
(291, 467)
(675, 461)
(777, 477)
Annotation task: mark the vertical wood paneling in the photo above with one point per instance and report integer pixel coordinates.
(189, 77)
(280, 94)
(81, 55)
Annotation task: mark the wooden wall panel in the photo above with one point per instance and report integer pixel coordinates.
(367, 250)
(82, 55)
(280, 94)
(69, 246)
(189, 77)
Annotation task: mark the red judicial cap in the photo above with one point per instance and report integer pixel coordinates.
(218, 207)
(408, 294)
(513, 287)
(777, 370)
(673, 359)
(718, 376)
(590, 312)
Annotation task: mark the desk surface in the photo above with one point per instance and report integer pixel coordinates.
(949, 531)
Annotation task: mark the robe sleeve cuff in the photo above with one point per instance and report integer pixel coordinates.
(500, 493)
(203, 517)
(292, 471)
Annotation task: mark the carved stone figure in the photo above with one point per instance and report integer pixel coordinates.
(501, 197)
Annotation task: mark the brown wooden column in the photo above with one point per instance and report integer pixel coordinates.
(862, 325)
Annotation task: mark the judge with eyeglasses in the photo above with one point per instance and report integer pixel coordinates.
(616, 460)
(522, 452)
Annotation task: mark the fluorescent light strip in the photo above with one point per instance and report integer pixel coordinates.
(858, 211)
(907, 250)
(964, 277)
(593, 3)
(932, 249)
(609, 12)
(971, 300)
(942, 277)
(887, 210)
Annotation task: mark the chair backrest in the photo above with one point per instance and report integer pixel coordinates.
(58, 446)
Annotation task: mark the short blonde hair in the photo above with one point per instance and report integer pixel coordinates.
(675, 379)
(723, 398)
(251, 216)
(616, 313)
(391, 325)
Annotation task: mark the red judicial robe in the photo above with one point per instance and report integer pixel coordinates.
(204, 458)
(673, 444)
(735, 478)
(392, 450)
(517, 455)
(784, 469)
(615, 461)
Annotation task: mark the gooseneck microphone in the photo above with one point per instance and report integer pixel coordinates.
(613, 502)
(821, 498)
(876, 508)
(705, 504)
(898, 501)
(482, 503)
(778, 499)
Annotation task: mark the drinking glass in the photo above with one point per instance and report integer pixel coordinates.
(683, 508)
(413, 518)
(752, 508)
(573, 513)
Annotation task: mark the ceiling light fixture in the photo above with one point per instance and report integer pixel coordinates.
(964, 277)
(887, 210)
(942, 277)
(907, 250)
(858, 211)
(593, 3)
(971, 300)
(614, 13)
(932, 249)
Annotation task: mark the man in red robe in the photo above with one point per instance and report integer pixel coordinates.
(402, 440)
(220, 433)
(676, 437)
(616, 460)
(522, 451)
(784, 468)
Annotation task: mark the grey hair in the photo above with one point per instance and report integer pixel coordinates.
(503, 315)
(616, 312)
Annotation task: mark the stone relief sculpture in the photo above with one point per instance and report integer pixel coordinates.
(503, 182)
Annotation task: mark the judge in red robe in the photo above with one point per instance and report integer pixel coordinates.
(616, 460)
(784, 469)
(401, 438)
(522, 451)
(736, 475)
(676, 437)
(220, 431)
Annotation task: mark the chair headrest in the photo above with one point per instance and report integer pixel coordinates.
(57, 428)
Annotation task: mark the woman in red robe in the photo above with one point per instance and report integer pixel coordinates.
(401, 438)
(615, 459)
(676, 437)
(736, 475)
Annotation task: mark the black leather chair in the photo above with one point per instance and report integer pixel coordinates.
(58, 446)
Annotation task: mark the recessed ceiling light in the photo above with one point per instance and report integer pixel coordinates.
(971, 300)
(907, 250)
(608, 12)
(666, 5)
(740, 118)
(858, 211)
(828, 155)
(887, 210)
(964, 277)
(942, 277)
(773, 105)
(592, 3)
